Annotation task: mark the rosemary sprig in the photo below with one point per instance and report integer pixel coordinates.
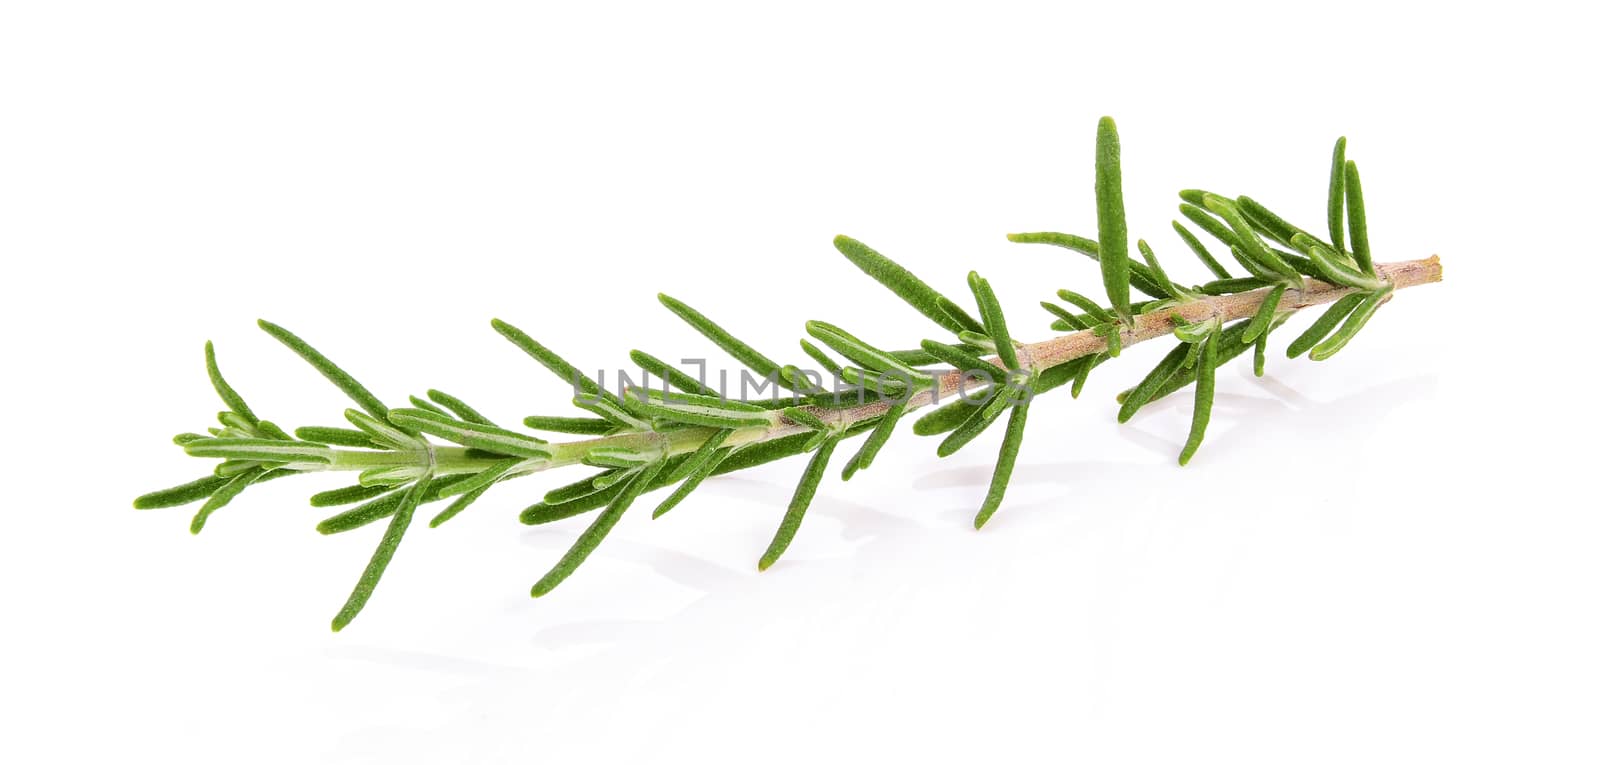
(641, 439)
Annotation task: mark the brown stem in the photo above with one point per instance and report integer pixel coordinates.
(1042, 355)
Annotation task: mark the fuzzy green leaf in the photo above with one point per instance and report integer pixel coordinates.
(1336, 197)
(901, 282)
(707, 411)
(875, 441)
(1200, 251)
(1138, 274)
(1251, 244)
(262, 449)
(962, 360)
(183, 494)
(1358, 318)
(223, 496)
(1098, 314)
(483, 478)
(485, 437)
(994, 319)
(1009, 448)
(552, 361)
(597, 531)
(582, 426)
(346, 496)
(460, 504)
(337, 437)
(1262, 321)
(1141, 394)
(803, 494)
(1112, 236)
(1204, 393)
(863, 353)
(458, 407)
(225, 391)
(735, 347)
(1334, 268)
(1324, 324)
(382, 555)
(676, 378)
(340, 378)
(1358, 218)
(975, 423)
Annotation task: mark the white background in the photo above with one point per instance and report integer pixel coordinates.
(1388, 557)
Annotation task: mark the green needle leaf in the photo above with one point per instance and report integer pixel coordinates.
(903, 283)
(1075, 243)
(1009, 448)
(1230, 286)
(961, 359)
(1210, 225)
(193, 491)
(975, 423)
(1200, 251)
(552, 361)
(945, 418)
(225, 391)
(875, 440)
(706, 411)
(736, 348)
(346, 496)
(458, 407)
(800, 416)
(1080, 374)
(1358, 218)
(422, 403)
(597, 531)
(582, 426)
(340, 378)
(1095, 312)
(485, 437)
(1333, 267)
(674, 376)
(1262, 321)
(1324, 324)
(1336, 197)
(481, 479)
(823, 360)
(1261, 354)
(382, 555)
(1141, 394)
(385, 433)
(1204, 392)
(380, 508)
(1066, 319)
(1358, 318)
(1248, 241)
(461, 503)
(1113, 223)
(337, 437)
(862, 353)
(580, 488)
(393, 475)
(1270, 222)
(694, 470)
(803, 494)
(363, 514)
(1112, 333)
(263, 449)
(994, 320)
(223, 496)
(1138, 274)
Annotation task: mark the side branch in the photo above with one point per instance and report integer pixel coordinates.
(1044, 355)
